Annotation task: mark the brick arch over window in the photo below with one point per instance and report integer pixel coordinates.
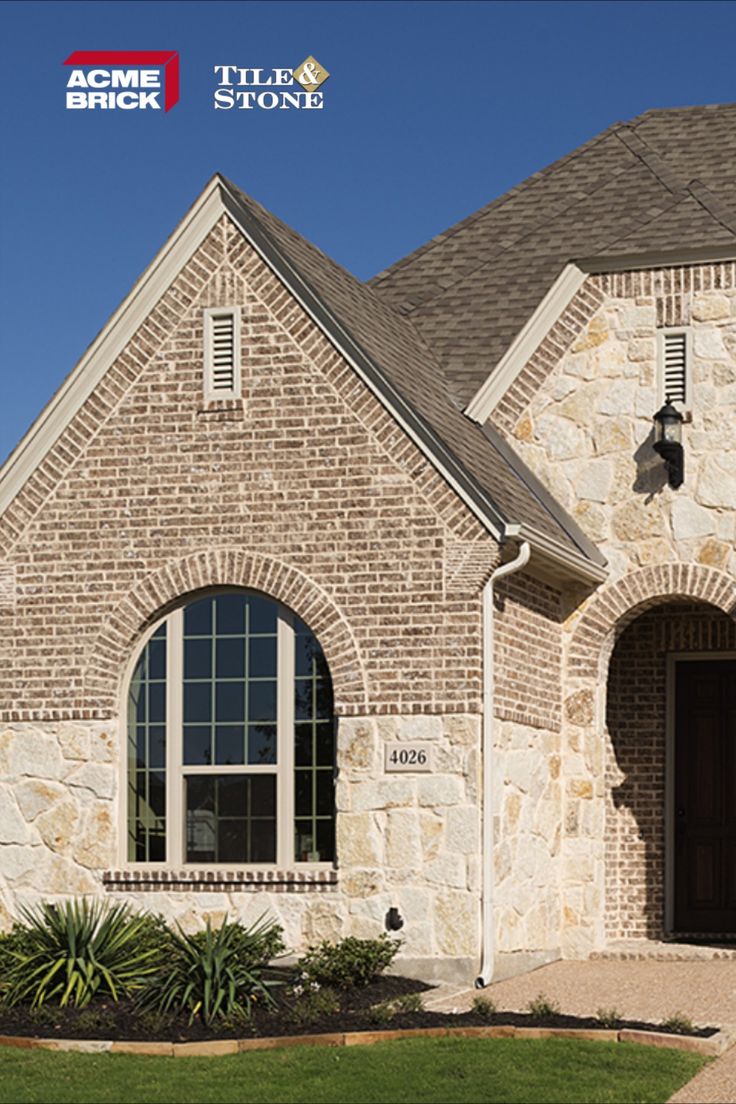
(615, 607)
(225, 567)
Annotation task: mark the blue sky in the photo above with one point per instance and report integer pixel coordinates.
(431, 110)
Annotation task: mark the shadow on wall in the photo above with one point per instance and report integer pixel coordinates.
(635, 758)
(651, 473)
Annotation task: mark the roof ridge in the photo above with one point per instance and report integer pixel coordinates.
(712, 204)
(652, 159)
(499, 201)
(513, 245)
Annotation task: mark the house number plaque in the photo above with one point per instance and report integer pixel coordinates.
(408, 757)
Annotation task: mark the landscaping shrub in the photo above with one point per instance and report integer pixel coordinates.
(313, 1004)
(680, 1024)
(350, 962)
(542, 1008)
(608, 1017)
(483, 1006)
(214, 973)
(69, 953)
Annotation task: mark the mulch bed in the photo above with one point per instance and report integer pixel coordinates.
(106, 1020)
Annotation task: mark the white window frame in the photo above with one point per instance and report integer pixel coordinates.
(176, 770)
(210, 393)
(662, 333)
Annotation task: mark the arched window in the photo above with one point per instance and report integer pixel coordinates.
(231, 738)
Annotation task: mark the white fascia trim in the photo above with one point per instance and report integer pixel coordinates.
(633, 262)
(110, 342)
(571, 563)
(526, 342)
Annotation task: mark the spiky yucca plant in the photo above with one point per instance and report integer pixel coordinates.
(69, 953)
(215, 972)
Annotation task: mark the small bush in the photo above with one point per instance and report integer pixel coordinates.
(608, 1017)
(483, 1006)
(541, 1008)
(409, 1002)
(67, 954)
(348, 963)
(214, 973)
(313, 1004)
(381, 1013)
(679, 1023)
(386, 1010)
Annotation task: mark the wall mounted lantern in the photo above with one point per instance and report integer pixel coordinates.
(668, 442)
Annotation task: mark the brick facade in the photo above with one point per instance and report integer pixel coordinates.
(309, 473)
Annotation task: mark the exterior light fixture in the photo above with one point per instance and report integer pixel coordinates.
(668, 442)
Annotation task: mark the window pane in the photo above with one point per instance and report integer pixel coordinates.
(197, 702)
(325, 743)
(262, 700)
(147, 753)
(262, 657)
(230, 704)
(262, 615)
(230, 658)
(231, 818)
(261, 744)
(198, 618)
(197, 659)
(303, 793)
(303, 700)
(230, 615)
(326, 840)
(197, 745)
(230, 744)
(303, 744)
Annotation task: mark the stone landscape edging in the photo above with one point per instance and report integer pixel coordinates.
(709, 1047)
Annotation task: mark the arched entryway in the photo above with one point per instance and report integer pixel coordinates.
(670, 820)
(616, 880)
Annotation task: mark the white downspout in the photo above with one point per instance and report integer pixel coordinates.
(487, 870)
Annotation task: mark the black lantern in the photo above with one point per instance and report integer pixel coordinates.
(668, 442)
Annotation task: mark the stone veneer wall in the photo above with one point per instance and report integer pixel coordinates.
(635, 759)
(409, 841)
(527, 784)
(580, 415)
(307, 490)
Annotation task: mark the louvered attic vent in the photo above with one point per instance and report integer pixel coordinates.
(222, 344)
(674, 367)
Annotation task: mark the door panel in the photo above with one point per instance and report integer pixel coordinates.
(705, 796)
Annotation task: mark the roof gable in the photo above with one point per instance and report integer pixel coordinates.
(384, 348)
(666, 182)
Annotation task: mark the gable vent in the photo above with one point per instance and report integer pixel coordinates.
(674, 375)
(674, 371)
(222, 340)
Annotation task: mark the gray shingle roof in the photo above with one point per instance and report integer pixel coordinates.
(436, 323)
(392, 343)
(663, 182)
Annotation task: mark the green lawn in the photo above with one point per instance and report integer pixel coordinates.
(411, 1070)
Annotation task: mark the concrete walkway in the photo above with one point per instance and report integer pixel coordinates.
(703, 990)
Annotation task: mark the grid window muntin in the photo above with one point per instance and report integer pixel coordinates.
(177, 771)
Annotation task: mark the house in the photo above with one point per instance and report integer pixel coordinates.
(374, 605)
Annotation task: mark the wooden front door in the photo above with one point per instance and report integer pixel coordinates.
(705, 796)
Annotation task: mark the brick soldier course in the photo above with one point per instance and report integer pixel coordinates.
(392, 445)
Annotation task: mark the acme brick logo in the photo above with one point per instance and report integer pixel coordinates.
(246, 89)
(131, 80)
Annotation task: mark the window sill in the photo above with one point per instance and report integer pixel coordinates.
(217, 881)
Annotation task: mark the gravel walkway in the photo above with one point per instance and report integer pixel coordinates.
(705, 991)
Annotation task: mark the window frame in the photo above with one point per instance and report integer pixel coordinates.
(177, 770)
